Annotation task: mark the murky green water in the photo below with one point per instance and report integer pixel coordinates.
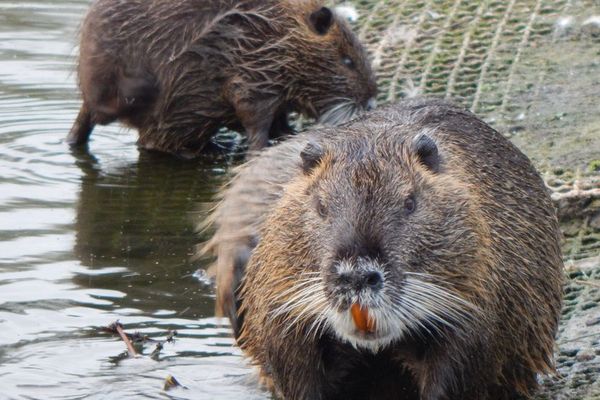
(89, 238)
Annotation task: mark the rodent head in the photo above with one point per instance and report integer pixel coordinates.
(393, 239)
(334, 79)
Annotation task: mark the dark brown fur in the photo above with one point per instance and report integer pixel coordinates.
(179, 70)
(484, 231)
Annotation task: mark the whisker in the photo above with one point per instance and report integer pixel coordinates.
(295, 287)
(304, 313)
(304, 301)
(418, 308)
(422, 307)
(319, 323)
(339, 113)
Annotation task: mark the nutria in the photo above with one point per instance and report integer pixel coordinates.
(180, 70)
(412, 253)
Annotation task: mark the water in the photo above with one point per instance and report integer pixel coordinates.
(87, 238)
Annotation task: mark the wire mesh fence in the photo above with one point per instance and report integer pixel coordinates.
(530, 68)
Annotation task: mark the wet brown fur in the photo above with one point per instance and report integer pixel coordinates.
(179, 70)
(487, 229)
(255, 186)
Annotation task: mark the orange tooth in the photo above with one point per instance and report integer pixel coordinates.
(363, 321)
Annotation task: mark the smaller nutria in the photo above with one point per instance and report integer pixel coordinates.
(412, 253)
(180, 70)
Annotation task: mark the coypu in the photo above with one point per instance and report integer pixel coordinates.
(179, 70)
(411, 253)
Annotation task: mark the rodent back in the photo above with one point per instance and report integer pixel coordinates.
(206, 57)
(465, 205)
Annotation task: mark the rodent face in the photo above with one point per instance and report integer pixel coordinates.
(342, 82)
(395, 242)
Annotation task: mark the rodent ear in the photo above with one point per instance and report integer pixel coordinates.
(311, 155)
(427, 151)
(321, 20)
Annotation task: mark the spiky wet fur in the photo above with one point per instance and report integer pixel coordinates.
(179, 70)
(237, 216)
(473, 277)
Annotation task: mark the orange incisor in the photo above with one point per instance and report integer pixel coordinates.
(363, 321)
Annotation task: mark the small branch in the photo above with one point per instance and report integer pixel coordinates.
(171, 336)
(119, 328)
(116, 328)
(155, 353)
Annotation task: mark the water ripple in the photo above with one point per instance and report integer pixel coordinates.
(90, 237)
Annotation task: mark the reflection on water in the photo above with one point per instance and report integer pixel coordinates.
(89, 238)
(140, 216)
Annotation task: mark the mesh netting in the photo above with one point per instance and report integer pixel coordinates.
(531, 69)
(528, 67)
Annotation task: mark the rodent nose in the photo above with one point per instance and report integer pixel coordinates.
(371, 104)
(373, 279)
(360, 280)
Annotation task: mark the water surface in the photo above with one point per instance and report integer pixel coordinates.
(90, 237)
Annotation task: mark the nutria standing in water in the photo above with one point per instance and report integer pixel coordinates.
(179, 70)
(412, 253)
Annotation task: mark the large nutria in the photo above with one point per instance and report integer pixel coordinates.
(412, 253)
(179, 70)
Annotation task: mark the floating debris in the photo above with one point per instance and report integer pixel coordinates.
(116, 328)
(171, 383)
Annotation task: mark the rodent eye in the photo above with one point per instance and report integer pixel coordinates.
(410, 204)
(321, 208)
(347, 61)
